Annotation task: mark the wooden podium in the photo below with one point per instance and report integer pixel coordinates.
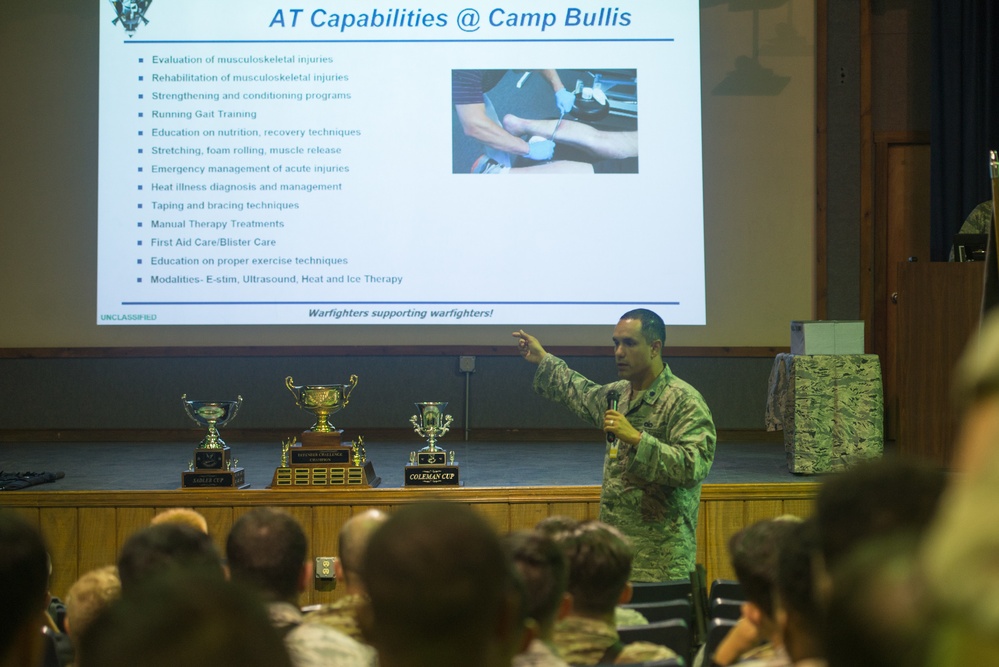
(939, 304)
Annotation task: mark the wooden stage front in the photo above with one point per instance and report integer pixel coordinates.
(85, 529)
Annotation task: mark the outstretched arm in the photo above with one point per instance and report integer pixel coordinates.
(529, 347)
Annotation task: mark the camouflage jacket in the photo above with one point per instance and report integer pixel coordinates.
(340, 615)
(584, 641)
(312, 644)
(651, 491)
(538, 654)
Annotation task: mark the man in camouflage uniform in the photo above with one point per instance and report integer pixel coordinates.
(267, 551)
(342, 614)
(599, 559)
(664, 443)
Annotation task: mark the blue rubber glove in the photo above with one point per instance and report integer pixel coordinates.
(541, 150)
(564, 100)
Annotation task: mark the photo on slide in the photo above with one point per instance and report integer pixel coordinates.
(566, 121)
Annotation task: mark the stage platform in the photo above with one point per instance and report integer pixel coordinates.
(156, 466)
(112, 489)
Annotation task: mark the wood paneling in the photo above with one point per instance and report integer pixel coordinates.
(86, 529)
(939, 306)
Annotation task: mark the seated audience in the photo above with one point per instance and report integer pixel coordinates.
(157, 550)
(182, 515)
(267, 552)
(756, 638)
(353, 539)
(877, 613)
(89, 596)
(599, 558)
(797, 608)
(24, 577)
(545, 574)
(441, 592)
(187, 618)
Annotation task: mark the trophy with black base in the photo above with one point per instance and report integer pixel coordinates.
(431, 466)
(212, 466)
(318, 457)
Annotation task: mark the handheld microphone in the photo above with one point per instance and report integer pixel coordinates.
(612, 398)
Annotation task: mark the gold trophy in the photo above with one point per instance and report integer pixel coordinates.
(430, 466)
(322, 400)
(212, 465)
(320, 459)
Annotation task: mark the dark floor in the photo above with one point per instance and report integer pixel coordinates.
(158, 466)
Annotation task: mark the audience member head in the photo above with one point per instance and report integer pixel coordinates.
(267, 550)
(875, 499)
(599, 559)
(554, 525)
(877, 612)
(156, 550)
(90, 595)
(182, 515)
(545, 574)
(24, 577)
(353, 539)
(440, 590)
(754, 551)
(797, 607)
(183, 618)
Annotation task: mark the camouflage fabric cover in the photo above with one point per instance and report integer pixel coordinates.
(583, 641)
(651, 491)
(830, 407)
(340, 615)
(978, 220)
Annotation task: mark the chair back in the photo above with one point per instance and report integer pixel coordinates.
(725, 608)
(726, 588)
(674, 634)
(660, 591)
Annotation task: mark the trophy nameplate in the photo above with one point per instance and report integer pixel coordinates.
(308, 456)
(212, 466)
(222, 479)
(432, 475)
(431, 466)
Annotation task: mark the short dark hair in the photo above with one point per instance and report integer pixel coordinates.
(556, 524)
(266, 550)
(545, 572)
(599, 558)
(795, 577)
(24, 576)
(754, 551)
(439, 563)
(155, 550)
(874, 498)
(653, 327)
(182, 618)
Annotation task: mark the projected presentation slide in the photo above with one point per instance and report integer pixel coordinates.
(365, 162)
